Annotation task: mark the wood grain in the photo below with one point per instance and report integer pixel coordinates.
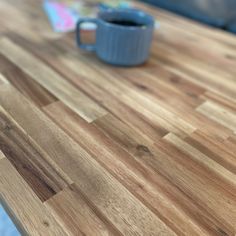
(5, 64)
(25, 207)
(149, 156)
(211, 165)
(219, 114)
(104, 191)
(87, 148)
(75, 99)
(2, 155)
(27, 86)
(223, 153)
(3, 80)
(72, 209)
(132, 98)
(30, 161)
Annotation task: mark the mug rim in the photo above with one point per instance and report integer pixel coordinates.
(131, 10)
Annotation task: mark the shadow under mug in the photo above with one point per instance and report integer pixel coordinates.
(117, 43)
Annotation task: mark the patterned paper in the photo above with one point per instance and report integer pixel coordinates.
(63, 14)
(62, 18)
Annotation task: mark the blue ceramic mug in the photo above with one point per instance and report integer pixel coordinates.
(123, 36)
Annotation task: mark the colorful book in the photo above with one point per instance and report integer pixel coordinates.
(64, 14)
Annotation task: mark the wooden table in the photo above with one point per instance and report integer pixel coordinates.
(91, 149)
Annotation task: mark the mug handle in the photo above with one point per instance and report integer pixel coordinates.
(88, 47)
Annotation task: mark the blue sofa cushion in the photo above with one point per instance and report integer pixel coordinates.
(212, 12)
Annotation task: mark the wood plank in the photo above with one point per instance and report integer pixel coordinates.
(2, 155)
(162, 83)
(223, 101)
(29, 159)
(147, 164)
(214, 56)
(221, 152)
(194, 118)
(29, 15)
(230, 144)
(221, 174)
(27, 86)
(25, 207)
(188, 121)
(190, 69)
(98, 76)
(52, 81)
(140, 103)
(143, 125)
(123, 134)
(4, 63)
(219, 114)
(154, 84)
(77, 215)
(192, 179)
(104, 191)
(3, 80)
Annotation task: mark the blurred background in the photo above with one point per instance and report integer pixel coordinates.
(216, 13)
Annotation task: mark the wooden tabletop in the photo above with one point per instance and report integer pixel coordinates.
(91, 149)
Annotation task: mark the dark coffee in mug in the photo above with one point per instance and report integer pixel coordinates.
(125, 23)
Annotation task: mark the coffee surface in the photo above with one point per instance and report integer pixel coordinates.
(125, 23)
